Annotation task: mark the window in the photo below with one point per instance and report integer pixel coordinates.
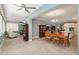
(0, 25)
(12, 26)
(3, 26)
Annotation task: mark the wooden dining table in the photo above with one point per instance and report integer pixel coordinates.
(60, 36)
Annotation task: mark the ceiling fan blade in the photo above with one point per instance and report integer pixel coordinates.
(20, 8)
(23, 5)
(17, 5)
(26, 10)
(31, 7)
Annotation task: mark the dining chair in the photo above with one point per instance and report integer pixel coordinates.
(47, 35)
(66, 40)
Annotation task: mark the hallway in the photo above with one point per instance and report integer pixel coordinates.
(37, 46)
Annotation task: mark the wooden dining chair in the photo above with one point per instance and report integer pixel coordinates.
(66, 40)
(61, 38)
(54, 38)
(47, 35)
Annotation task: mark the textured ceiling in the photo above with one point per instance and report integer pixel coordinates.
(18, 16)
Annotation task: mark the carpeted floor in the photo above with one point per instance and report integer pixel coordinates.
(18, 46)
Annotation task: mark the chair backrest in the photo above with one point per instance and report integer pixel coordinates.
(68, 36)
(47, 33)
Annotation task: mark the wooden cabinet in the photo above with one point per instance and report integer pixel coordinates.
(53, 29)
(25, 32)
(42, 29)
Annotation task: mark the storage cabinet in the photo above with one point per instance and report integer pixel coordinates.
(25, 32)
(42, 29)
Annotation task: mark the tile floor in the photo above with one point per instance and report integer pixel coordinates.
(18, 46)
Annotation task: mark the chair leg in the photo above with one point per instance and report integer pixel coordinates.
(66, 43)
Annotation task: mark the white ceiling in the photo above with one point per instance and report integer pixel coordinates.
(18, 16)
(64, 13)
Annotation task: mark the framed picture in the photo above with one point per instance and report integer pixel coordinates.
(71, 29)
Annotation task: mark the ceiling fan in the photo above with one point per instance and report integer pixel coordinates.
(23, 6)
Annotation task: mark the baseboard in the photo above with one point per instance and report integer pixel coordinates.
(35, 37)
(30, 40)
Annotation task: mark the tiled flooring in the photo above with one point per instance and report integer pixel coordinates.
(38, 46)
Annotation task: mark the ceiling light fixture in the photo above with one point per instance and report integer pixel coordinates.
(54, 20)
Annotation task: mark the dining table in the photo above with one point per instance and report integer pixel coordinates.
(58, 37)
